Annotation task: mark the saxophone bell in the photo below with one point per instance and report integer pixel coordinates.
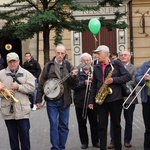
(109, 90)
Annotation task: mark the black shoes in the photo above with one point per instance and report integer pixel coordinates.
(97, 145)
(127, 145)
(111, 146)
(84, 146)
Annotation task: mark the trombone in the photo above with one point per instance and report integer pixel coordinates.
(86, 98)
(146, 83)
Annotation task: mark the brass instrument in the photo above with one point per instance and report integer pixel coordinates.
(86, 98)
(147, 83)
(104, 90)
(8, 96)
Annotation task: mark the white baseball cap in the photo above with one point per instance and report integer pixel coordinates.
(102, 48)
(12, 56)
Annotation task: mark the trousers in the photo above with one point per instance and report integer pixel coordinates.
(82, 125)
(58, 116)
(128, 116)
(18, 130)
(115, 109)
(146, 118)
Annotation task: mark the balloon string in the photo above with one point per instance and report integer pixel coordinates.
(95, 38)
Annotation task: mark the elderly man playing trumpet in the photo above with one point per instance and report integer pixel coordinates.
(81, 92)
(15, 104)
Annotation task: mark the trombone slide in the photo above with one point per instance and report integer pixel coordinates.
(86, 99)
(126, 107)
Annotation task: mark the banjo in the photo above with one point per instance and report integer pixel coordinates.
(54, 89)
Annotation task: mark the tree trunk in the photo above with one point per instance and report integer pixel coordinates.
(46, 46)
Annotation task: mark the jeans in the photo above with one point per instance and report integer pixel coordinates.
(18, 130)
(58, 116)
(128, 116)
(34, 93)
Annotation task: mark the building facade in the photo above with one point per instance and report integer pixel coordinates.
(135, 38)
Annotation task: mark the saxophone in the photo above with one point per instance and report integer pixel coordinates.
(104, 90)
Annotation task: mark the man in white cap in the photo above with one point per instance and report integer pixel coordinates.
(15, 104)
(107, 74)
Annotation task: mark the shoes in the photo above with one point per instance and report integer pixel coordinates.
(111, 146)
(34, 107)
(96, 145)
(84, 146)
(127, 145)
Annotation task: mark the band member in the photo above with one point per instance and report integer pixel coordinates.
(108, 73)
(142, 76)
(15, 104)
(125, 57)
(81, 92)
(57, 107)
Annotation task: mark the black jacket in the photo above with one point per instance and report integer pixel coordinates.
(33, 67)
(81, 89)
(120, 75)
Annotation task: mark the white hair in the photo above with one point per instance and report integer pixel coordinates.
(86, 55)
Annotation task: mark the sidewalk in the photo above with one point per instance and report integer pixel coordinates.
(40, 132)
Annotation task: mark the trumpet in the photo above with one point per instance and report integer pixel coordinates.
(8, 96)
(147, 83)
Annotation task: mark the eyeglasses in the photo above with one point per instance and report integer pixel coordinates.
(124, 55)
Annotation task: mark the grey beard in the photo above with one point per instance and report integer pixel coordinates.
(87, 67)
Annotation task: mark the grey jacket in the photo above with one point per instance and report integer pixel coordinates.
(132, 70)
(26, 83)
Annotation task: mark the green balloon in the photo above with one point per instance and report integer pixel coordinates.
(94, 25)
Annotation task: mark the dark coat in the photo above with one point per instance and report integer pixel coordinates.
(120, 75)
(33, 67)
(49, 73)
(2, 64)
(81, 89)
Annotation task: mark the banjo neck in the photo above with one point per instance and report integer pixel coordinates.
(69, 74)
(53, 88)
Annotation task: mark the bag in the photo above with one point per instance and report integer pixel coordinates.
(126, 89)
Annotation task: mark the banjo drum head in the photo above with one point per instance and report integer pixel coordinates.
(52, 89)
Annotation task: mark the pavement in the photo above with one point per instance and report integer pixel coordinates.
(39, 131)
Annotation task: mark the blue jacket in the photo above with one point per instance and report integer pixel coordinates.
(140, 73)
(120, 75)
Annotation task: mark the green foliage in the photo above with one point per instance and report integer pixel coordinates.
(26, 19)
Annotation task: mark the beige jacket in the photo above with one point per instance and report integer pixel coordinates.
(26, 86)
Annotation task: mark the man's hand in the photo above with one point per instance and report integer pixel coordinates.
(88, 82)
(74, 72)
(109, 81)
(147, 77)
(14, 86)
(90, 106)
(39, 105)
(2, 86)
